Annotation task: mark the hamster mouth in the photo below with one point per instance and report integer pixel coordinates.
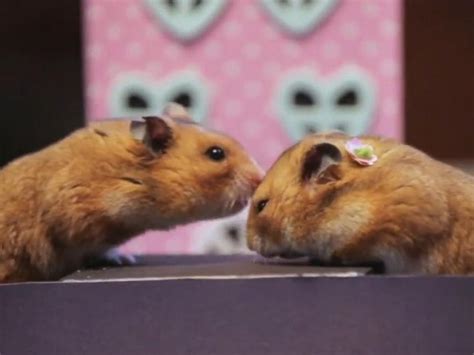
(241, 193)
(236, 205)
(240, 204)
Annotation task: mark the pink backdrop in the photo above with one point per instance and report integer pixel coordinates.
(241, 59)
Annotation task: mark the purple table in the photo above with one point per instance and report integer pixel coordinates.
(232, 305)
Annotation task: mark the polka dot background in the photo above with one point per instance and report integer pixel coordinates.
(241, 57)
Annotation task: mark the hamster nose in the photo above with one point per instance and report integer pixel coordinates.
(255, 181)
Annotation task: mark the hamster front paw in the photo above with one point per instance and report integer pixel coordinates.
(111, 258)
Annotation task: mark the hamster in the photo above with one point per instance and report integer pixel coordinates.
(103, 184)
(407, 211)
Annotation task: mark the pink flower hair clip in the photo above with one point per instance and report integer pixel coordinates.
(362, 153)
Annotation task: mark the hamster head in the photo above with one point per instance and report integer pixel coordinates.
(191, 173)
(302, 206)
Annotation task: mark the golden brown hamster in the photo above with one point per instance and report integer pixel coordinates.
(110, 181)
(407, 210)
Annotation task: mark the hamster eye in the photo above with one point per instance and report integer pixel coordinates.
(261, 205)
(215, 153)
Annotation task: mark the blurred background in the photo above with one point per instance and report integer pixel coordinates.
(266, 71)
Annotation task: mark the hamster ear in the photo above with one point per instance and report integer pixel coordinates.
(155, 132)
(176, 111)
(322, 163)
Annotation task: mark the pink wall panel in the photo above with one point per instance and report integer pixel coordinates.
(242, 67)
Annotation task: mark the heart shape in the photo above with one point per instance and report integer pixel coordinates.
(132, 95)
(299, 17)
(186, 19)
(306, 103)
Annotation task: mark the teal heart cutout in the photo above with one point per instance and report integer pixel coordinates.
(299, 17)
(307, 103)
(133, 95)
(186, 19)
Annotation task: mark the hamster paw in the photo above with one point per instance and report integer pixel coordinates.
(110, 259)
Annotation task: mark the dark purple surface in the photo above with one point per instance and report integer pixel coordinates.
(155, 266)
(364, 315)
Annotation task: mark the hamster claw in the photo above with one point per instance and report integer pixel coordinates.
(111, 258)
(124, 259)
(120, 259)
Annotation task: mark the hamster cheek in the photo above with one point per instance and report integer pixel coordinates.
(288, 236)
(263, 246)
(263, 237)
(337, 230)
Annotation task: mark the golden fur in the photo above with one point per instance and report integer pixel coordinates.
(101, 186)
(409, 211)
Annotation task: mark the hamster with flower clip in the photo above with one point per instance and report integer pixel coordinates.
(369, 201)
(75, 200)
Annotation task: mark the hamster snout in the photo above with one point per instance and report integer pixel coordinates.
(244, 186)
(262, 237)
(255, 180)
